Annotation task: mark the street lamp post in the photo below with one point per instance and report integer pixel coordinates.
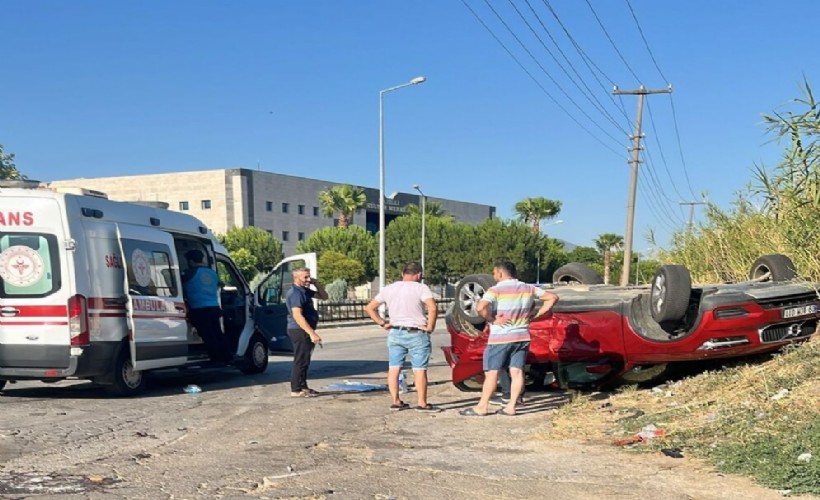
(423, 214)
(415, 81)
(538, 269)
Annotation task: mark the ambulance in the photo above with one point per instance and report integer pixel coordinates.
(90, 288)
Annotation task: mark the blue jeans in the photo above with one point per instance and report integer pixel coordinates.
(418, 345)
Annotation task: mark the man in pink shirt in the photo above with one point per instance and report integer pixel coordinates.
(408, 331)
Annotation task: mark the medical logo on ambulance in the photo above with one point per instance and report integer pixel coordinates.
(141, 267)
(21, 266)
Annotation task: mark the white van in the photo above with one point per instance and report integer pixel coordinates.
(91, 289)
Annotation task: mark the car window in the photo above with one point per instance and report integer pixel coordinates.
(29, 265)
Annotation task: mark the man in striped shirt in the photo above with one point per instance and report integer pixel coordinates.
(508, 308)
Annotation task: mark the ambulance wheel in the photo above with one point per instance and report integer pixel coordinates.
(256, 356)
(126, 381)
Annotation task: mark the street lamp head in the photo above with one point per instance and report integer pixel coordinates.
(417, 80)
(416, 186)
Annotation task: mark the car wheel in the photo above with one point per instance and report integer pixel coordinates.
(2, 384)
(577, 273)
(468, 292)
(670, 292)
(127, 381)
(775, 267)
(472, 384)
(644, 373)
(256, 356)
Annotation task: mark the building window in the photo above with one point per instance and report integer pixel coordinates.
(270, 231)
(285, 235)
(301, 210)
(316, 211)
(269, 206)
(183, 205)
(285, 208)
(206, 204)
(301, 236)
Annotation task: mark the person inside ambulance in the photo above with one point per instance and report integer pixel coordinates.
(200, 285)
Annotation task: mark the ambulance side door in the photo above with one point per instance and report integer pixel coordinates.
(156, 315)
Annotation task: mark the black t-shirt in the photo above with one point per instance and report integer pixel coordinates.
(303, 298)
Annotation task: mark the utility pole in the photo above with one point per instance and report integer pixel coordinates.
(633, 183)
(692, 211)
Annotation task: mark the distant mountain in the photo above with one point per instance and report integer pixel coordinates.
(567, 245)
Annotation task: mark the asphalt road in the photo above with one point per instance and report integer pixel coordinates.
(244, 437)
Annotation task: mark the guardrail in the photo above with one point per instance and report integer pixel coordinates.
(354, 309)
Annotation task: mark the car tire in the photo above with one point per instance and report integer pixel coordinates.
(644, 373)
(472, 384)
(256, 356)
(774, 267)
(126, 380)
(468, 292)
(669, 296)
(576, 272)
(2, 384)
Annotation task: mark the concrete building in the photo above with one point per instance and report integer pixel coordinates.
(284, 205)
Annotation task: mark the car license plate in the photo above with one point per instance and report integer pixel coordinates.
(794, 312)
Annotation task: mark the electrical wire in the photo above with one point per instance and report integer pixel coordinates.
(612, 42)
(646, 44)
(537, 83)
(544, 70)
(586, 91)
(660, 149)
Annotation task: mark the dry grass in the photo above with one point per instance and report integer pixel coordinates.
(750, 418)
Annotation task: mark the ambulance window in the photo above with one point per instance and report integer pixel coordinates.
(228, 276)
(29, 265)
(150, 270)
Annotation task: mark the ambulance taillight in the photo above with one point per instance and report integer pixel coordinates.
(78, 320)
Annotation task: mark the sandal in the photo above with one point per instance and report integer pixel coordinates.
(504, 413)
(428, 409)
(470, 412)
(310, 391)
(399, 406)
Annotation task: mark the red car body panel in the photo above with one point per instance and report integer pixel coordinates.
(602, 334)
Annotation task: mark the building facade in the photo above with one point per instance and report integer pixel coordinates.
(284, 205)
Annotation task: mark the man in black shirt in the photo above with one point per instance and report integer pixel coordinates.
(302, 321)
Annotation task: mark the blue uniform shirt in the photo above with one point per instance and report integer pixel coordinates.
(302, 298)
(201, 286)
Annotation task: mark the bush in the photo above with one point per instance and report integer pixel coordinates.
(337, 291)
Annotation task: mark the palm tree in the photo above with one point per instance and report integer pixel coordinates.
(534, 210)
(343, 199)
(605, 243)
(431, 209)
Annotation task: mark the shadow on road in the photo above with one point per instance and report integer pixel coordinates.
(172, 382)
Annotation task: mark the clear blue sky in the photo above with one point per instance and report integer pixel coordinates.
(97, 88)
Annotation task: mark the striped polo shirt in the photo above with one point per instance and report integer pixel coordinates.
(512, 301)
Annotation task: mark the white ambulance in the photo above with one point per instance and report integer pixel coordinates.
(90, 288)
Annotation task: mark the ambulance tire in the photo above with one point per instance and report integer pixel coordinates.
(126, 381)
(256, 356)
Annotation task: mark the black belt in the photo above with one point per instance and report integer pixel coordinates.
(408, 329)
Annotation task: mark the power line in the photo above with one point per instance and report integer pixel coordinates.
(538, 63)
(651, 55)
(535, 80)
(612, 42)
(586, 91)
(660, 150)
(671, 98)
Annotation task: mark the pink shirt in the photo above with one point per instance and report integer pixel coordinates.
(405, 303)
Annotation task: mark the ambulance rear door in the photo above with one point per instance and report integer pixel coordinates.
(157, 325)
(35, 294)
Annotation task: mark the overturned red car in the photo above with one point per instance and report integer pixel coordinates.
(599, 334)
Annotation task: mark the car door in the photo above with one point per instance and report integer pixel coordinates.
(271, 312)
(154, 304)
